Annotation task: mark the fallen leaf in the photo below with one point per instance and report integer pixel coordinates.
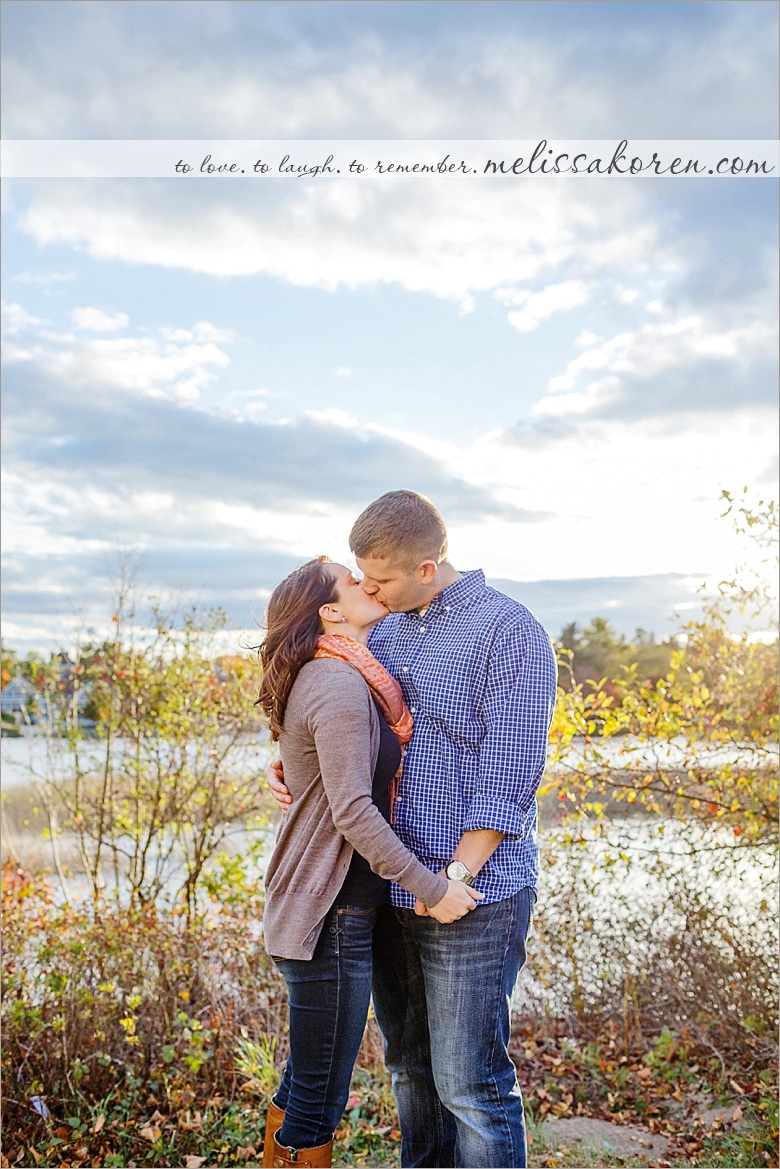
(737, 1114)
(191, 1162)
(244, 1152)
(737, 1088)
(101, 1120)
(189, 1122)
(151, 1132)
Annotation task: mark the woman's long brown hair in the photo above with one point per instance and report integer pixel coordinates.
(293, 628)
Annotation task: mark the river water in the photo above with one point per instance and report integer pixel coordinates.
(616, 870)
(635, 847)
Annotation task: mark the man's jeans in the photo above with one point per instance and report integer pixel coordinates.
(442, 996)
(329, 999)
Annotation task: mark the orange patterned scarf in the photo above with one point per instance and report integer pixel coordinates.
(385, 689)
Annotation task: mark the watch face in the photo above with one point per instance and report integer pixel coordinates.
(456, 870)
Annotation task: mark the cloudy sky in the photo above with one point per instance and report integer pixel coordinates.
(222, 374)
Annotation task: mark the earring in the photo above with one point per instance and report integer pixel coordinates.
(343, 619)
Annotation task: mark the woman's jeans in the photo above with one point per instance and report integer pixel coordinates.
(329, 999)
(442, 996)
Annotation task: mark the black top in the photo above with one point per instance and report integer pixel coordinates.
(362, 886)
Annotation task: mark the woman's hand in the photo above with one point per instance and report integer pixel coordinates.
(455, 903)
(275, 778)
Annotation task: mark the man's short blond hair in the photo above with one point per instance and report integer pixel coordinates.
(402, 527)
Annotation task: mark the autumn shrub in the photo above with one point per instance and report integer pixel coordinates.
(646, 926)
(136, 1003)
(149, 793)
(658, 904)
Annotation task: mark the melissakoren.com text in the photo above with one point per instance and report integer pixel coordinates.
(545, 160)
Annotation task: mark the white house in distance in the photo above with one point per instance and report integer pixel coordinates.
(14, 699)
(15, 696)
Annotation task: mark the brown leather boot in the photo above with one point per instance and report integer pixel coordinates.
(318, 1158)
(273, 1123)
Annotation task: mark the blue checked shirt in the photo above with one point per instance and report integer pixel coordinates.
(479, 676)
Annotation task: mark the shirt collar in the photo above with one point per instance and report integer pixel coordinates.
(461, 592)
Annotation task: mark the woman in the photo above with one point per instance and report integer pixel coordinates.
(341, 724)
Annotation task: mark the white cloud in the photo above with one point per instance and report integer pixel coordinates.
(176, 364)
(243, 405)
(538, 306)
(44, 278)
(17, 320)
(147, 365)
(649, 355)
(356, 76)
(451, 240)
(627, 498)
(94, 320)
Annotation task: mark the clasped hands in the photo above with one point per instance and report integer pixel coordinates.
(456, 902)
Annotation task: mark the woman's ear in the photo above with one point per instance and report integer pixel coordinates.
(330, 614)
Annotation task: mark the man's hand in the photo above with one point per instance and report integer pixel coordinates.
(275, 778)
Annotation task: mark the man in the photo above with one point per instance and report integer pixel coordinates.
(478, 674)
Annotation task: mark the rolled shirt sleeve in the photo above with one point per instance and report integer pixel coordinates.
(518, 707)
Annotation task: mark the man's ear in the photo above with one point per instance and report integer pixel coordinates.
(427, 571)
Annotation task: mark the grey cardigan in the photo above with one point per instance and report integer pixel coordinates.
(329, 747)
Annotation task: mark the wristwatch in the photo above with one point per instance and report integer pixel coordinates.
(457, 871)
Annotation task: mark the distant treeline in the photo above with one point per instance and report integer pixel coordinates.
(597, 651)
